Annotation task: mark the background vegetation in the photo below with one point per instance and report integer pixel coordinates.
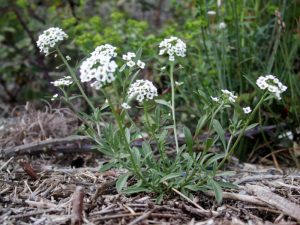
(261, 37)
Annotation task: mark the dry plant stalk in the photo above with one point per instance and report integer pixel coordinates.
(77, 206)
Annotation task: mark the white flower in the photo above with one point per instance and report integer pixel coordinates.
(54, 97)
(215, 99)
(142, 89)
(222, 25)
(272, 84)
(126, 106)
(130, 63)
(99, 67)
(172, 46)
(211, 13)
(140, 64)
(178, 83)
(247, 110)
(65, 81)
(68, 58)
(163, 68)
(229, 95)
(49, 38)
(128, 56)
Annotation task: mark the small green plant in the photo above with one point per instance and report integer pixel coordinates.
(141, 146)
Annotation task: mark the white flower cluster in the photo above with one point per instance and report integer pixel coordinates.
(99, 67)
(172, 46)
(55, 96)
(125, 106)
(229, 95)
(128, 57)
(49, 38)
(226, 96)
(215, 99)
(142, 89)
(65, 81)
(247, 110)
(222, 25)
(272, 84)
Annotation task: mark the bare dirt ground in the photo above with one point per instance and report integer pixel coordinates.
(48, 177)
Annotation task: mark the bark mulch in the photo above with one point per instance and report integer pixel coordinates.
(45, 189)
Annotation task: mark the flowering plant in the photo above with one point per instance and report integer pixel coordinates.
(148, 163)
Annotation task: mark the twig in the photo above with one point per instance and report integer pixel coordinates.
(77, 206)
(6, 163)
(196, 211)
(34, 213)
(201, 210)
(258, 177)
(238, 197)
(160, 215)
(41, 204)
(142, 217)
(28, 169)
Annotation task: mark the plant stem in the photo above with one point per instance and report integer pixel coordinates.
(127, 146)
(74, 77)
(152, 133)
(173, 104)
(242, 132)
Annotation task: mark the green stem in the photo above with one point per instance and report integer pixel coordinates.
(73, 75)
(127, 146)
(189, 177)
(152, 133)
(173, 104)
(242, 132)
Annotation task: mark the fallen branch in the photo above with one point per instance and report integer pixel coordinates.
(51, 145)
(287, 207)
(258, 177)
(238, 197)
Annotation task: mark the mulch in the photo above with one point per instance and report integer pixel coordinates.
(45, 189)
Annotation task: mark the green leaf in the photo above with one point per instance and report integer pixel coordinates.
(132, 190)
(122, 68)
(188, 138)
(127, 134)
(170, 176)
(75, 96)
(159, 198)
(220, 131)
(209, 142)
(106, 166)
(136, 155)
(139, 53)
(104, 106)
(251, 126)
(201, 124)
(214, 159)
(163, 102)
(228, 185)
(217, 189)
(122, 181)
(193, 187)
